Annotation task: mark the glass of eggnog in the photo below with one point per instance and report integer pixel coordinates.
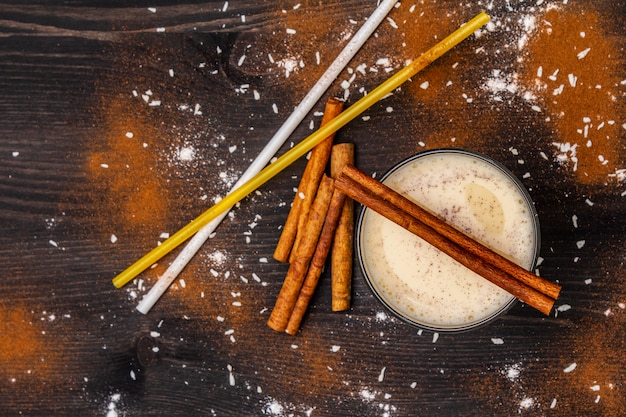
(424, 286)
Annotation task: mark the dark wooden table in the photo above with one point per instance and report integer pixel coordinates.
(120, 123)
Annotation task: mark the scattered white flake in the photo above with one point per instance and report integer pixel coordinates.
(273, 408)
(588, 281)
(389, 109)
(497, 341)
(104, 165)
(291, 31)
(113, 238)
(575, 221)
(383, 62)
(424, 85)
(588, 202)
(499, 83)
(381, 376)
(570, 368)
(112, 407)
(583, 54)
(53, 243)
(580, 244)
(558, 90)
(435, 337)
(231, 376)
(563, 307)
(160, 30)
(335, 348)
(572, 79)
(129, 135)
(225, 6)
(381, 316)
(152, 9)
(275, 108)
(242, 58)
(15, 154)
(154, 103)
(132, 375)
(367, 394)
(595, 387)
(263, 260)
(553, 403)
(526, 403)
(186, 154)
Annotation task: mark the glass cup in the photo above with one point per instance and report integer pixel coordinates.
(422, 285)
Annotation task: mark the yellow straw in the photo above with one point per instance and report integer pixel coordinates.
(301, 149)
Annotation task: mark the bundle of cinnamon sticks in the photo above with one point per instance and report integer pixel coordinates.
(322, 218)
(320, 222)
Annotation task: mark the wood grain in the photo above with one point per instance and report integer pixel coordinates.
(67, 75)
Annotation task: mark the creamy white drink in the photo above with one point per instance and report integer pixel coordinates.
(423, 284)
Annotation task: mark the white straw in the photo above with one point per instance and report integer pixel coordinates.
(270, 149)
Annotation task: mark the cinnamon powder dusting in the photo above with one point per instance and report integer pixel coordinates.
(123, 168)
(23, 348)
(575, 68)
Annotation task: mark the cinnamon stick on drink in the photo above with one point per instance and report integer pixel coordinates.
(529, 288)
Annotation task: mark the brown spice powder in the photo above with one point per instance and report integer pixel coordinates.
(133, 193)
(23, 350)
(575, 68)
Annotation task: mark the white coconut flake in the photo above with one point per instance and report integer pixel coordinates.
(570, 368)
(583, 54)
(497, 341)
(231, 376)
(381, 376)
(564, 307)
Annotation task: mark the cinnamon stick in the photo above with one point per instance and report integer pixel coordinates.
(465, 250)
(298, 268)
(341, 155)
(546, 287)
(318, 261)
(308, 186)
